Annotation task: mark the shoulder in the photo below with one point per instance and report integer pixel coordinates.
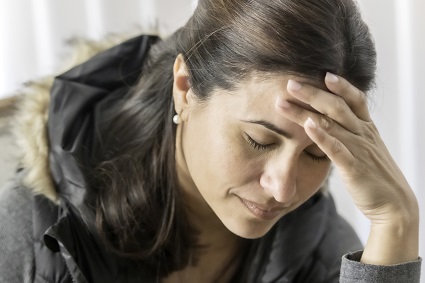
(338, 240)
(16, 204)
(24, 219)
(339, 235)
(307, 245)
(16, 234)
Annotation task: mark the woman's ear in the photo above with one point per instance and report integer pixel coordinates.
(182, 93)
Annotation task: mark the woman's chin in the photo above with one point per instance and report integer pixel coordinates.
(249, 229)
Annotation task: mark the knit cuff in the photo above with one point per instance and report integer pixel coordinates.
(352, 270)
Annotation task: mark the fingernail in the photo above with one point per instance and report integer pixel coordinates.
(293, 85)
(282, 103)
(309, 122)
(331, 78)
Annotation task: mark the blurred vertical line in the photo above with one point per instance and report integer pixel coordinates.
(408, 124)
(95, 21)
(17, 53)
(410, 91)
(3, 77)
(43, 36)
(149, 15)
(194, 4)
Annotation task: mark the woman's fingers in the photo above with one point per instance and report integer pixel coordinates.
(355, 98)
(332, 147)
(300, 114)
(328, 104)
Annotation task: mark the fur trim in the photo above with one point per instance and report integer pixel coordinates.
(30, 121)
(31, 136)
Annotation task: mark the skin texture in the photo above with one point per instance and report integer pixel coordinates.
(218, 166)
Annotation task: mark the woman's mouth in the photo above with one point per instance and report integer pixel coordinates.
(260, 211)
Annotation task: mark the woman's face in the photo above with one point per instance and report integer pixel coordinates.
(240, 159)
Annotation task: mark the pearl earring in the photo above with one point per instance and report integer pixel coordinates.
(176, 119)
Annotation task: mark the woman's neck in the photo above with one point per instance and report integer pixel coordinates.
(211, 231)
(216, 253)
(212, 260)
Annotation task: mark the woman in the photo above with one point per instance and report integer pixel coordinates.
(209, 163)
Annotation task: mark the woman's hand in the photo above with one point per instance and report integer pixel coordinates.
(343, 130)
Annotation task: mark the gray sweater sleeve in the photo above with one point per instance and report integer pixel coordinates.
(353, 271)
(16, 235)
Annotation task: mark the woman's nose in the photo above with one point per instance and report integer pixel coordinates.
(279, 180)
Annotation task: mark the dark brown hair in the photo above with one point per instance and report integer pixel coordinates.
(139, 210)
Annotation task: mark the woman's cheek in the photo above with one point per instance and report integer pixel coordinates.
(312, 175)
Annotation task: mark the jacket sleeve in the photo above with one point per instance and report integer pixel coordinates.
(16, 243)
(353, 271)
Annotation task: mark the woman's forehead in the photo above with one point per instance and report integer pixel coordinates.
(262, 92)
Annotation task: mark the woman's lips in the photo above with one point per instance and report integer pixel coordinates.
(261, 211)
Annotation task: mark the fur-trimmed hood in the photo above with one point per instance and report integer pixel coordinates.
(53, 113)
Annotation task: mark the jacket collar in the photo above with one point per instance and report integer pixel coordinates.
(79, 99)
(51, 162)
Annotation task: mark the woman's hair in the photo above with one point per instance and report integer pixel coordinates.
(139, 210)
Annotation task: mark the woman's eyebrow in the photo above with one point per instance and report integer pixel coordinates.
(270, 126)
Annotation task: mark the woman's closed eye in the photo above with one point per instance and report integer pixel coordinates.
(314, 157)
(256, 145)
(261, 146)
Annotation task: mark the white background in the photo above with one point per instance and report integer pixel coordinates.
(32, 36)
